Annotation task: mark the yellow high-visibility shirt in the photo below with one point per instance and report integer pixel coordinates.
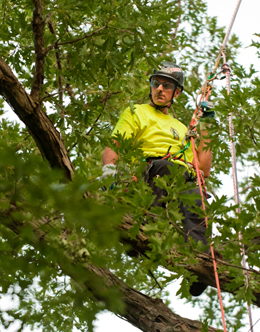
(155, 130)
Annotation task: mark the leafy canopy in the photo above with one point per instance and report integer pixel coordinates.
(99, 55)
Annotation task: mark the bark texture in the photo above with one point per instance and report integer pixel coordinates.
(37, 122)
(38, 30)
(146, 313)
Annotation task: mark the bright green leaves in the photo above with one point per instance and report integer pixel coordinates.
(36, 203)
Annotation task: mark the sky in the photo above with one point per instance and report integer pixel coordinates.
(245, 25)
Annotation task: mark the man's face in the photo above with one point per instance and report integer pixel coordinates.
(162, 93)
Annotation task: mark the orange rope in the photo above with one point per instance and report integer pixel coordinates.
(193, 121)
(211, 246)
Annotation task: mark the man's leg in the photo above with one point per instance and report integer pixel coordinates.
(194, 225)
(158, 168)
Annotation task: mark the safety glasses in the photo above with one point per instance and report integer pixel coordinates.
(166, 85)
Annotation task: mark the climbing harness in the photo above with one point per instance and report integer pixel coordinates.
(192, 135)
(178, 156)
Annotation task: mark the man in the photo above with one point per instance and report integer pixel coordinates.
(160, 134)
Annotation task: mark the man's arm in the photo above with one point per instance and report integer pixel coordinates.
(109, 157)
(204, 157)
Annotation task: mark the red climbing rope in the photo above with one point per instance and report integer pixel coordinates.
(193, 124)
(211, 246)
(192, 133)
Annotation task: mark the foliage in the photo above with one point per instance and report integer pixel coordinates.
(99, 55)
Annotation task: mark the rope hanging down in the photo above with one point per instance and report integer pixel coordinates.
(206, 89)
(233, 157)
(234, 168)
(191, 129)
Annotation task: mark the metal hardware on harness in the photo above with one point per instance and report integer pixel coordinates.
(204, 89)
(190, 133)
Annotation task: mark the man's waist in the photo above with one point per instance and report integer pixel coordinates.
(169, 158)
(150, 159)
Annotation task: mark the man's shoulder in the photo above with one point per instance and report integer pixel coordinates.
(138, 109)
(142, 107)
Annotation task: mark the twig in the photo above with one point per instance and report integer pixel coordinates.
(121, 30)
(49, 95)
(174, 114)
(77, 121)
(156, 281)
(103, 101)
(94, 124)
(252, 135)
(86, 36)
(244, 190)
(222, 262)
(68, 87)
(74, 40)
(254, 325)
(173, 36)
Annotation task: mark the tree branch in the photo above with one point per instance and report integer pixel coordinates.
(39, 125)
(86, 36)
(74, 40)
(68, 87)
(177, 25)
(146, 313)
(203, 269)
(58, 61)
(38, 28)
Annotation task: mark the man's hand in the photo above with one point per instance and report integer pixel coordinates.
(206, 107)
(108, 169)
